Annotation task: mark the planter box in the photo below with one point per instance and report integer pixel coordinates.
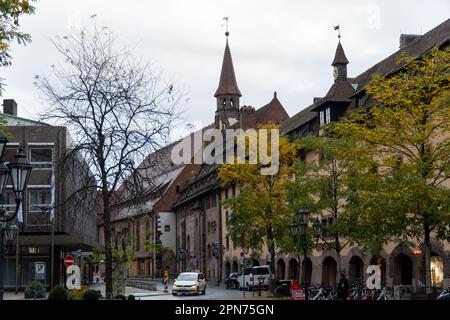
(35, 294)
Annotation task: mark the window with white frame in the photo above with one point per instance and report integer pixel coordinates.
(41, 156)
(38, 199)
(322, 117)
(9, 201)
(327, 115)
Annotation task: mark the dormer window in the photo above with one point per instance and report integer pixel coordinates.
(360, 100)
(325, 116)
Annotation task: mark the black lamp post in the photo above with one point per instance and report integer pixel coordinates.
(18, 172)
(299, 226)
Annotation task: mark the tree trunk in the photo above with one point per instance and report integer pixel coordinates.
(338, 249)
(119, 277)
(338, 256)
(108, 249)
(272, 257)
(427, 256)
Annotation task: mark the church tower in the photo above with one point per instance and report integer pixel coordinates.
(227, 94)
(340, 64)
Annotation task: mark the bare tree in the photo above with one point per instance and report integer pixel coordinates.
(117, 110)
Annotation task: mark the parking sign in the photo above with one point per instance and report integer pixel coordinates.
(39, 269)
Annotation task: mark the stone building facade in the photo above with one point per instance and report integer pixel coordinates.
(199, 205)
(201, 239)
(400, 265)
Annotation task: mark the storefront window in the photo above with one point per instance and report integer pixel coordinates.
(437, 271)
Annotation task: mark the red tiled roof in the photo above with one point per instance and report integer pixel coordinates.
(272, 112)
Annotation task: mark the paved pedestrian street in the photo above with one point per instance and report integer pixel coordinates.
(213, 292)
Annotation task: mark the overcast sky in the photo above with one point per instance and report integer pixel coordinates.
(284, 46)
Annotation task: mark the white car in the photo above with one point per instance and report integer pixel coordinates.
(250, 278)
(189, 282)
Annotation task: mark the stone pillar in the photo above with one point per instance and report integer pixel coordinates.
(316, 275)
(446, 282)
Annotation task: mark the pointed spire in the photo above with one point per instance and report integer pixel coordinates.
(227, 83)
(339, 57)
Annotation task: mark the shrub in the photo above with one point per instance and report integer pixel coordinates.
(121, 297)
(58, 293)
(92, 295)
(35, 285)
(35, 289)
(77, 294)
(131, 297)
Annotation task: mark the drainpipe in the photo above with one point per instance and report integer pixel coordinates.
(220, 251)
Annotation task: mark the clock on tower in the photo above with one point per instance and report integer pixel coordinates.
(335, 72)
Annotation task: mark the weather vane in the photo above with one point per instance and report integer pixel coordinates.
(226, 26)
(339, 31)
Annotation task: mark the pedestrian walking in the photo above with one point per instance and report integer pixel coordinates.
(342, 288)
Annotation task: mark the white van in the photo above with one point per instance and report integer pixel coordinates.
(249, 278)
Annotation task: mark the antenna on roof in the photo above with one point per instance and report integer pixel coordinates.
(338, 28)
(226, 26)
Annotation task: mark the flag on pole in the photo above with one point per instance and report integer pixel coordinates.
(336, 27)
(52, 196)
(19, 213)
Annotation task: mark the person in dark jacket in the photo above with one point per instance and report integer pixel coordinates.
(342, 288)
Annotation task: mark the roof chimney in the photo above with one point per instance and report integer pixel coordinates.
(248, 118)
(407, 38)
(10, 107)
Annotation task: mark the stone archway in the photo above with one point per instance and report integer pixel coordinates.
(255, 263)
(381, 262)
(281, 269)
(227, 267)
(234, 266)
(168, 260)
(293, 269)
(403, 270)
(329, 271)
(355, 270)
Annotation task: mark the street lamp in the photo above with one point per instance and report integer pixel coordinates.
(18, 172)
(299, 226)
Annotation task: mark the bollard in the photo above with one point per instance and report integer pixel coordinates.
(166, 281)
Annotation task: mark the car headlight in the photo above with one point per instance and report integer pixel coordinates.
(194, 286)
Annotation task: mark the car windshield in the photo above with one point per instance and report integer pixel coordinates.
(187, 277)
(247, 271)
(261, 271)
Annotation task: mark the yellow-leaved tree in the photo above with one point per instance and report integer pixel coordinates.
(407, 132)
(260, 214)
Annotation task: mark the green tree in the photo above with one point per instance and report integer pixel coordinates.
(259, 213)
(324, 186)
(10, 13)
(407, 134)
